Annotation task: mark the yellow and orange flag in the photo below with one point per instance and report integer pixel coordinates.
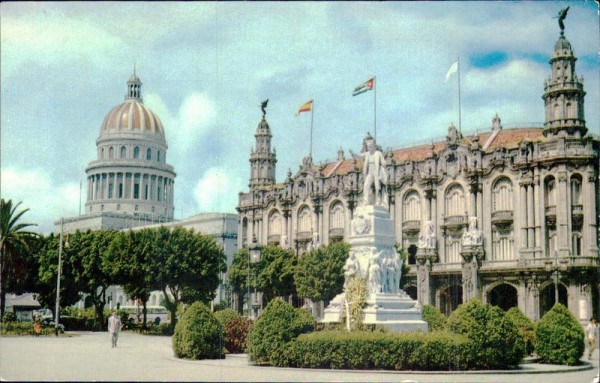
(306, 107)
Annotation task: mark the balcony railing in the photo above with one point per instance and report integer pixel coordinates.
(336, 232)
(412, 225)
(502, 217)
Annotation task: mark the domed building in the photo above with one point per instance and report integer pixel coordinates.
(130, 183)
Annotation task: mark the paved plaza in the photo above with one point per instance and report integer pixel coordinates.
(89, 356)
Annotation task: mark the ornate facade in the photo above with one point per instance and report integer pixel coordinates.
(509, 216)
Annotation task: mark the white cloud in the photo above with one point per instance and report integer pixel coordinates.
(217, 190)
(194, 118)
(45, 199)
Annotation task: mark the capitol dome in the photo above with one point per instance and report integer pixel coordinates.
(131, 174)
(132, 116)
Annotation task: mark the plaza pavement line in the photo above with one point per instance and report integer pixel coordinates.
(525, 368)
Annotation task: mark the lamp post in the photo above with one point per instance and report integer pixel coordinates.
(57, 308)
(555, 267)
(254, 250)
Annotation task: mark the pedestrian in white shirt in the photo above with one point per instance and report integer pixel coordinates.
(114, 327)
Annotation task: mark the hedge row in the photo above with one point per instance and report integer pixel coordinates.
(22, 328)
(375, 350)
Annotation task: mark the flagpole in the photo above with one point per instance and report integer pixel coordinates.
(459, 115)
(312, 112)
(375, 106)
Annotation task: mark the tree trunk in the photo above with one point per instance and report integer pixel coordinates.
(2, 303)
(172, 307)
(144, 302)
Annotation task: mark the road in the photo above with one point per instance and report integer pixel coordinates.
(88, 357)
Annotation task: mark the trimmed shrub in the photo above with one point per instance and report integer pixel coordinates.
(198, 334)
(525, 327)
(388, 351)
(236, 330)
(22, 328)
(436, 321)
(559, 337)
(9, 316)
(271, 335)
(496, 341)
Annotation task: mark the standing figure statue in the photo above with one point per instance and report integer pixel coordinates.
(562, 14)
(375, 175)
(374, 276)
(351, 268)
(427, 238)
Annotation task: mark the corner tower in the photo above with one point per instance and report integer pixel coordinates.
(262, 159)
(563, 93)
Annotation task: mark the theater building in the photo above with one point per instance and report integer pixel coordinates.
(531, 192)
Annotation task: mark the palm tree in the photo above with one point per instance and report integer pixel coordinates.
(14, 242)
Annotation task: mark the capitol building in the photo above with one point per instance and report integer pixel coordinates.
(130, 185)
(509, 216)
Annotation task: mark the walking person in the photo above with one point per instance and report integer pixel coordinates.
(114, 327)
(592, 336)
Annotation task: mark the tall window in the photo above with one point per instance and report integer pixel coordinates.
(136, 152)
(123, 152)
(111, 153)
(275, 223)
(110, 190)
(136, 191)
(550, 186)
(575, 190)
(411, 207)
(120, 190)
(336, 216)
(159, 195)
(304, 218)
(149, 154)
(502, 195)
(158, 156)
(455, 201)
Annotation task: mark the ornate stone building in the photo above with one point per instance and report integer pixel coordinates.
(509, 216)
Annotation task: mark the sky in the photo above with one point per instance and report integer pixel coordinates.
(206, 68)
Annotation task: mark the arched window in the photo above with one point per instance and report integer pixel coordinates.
(149, 154)
(455, 201)
(502, 195)
(411, 207)
(336, 216)
(111, 153)
(576, 243)
(304, 220)
(102, 153)
(123, 152)
(275, 226)
(158, 156)
(136, 152)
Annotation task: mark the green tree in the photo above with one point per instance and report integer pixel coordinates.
(186, 266)
(239, 277)
(15, 241)
(560, 339)
(275, 277)
(47, 257)
(87, 258)
(319, 275)
(129, 259)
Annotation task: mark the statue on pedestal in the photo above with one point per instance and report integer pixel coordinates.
(375, 175)
(427, 238)
(472, 236)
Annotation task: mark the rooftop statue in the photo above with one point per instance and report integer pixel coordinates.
(375, 175)
(263, 106)
(562, 14)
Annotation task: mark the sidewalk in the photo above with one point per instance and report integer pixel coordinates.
(88, 356)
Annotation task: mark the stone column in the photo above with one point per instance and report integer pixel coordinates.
(590, 216)
(132, 184)
(473, 202)
(471, 261)
(562, 215)
(425, 259)
(537, 205)
(523, 214)
(530, 223)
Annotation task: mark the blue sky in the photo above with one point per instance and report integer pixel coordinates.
(206, 67)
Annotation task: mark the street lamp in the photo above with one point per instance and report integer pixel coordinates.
(254, 250)
(555, 267)
(57, 307)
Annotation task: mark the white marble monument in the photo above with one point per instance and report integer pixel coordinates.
(373, 257)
